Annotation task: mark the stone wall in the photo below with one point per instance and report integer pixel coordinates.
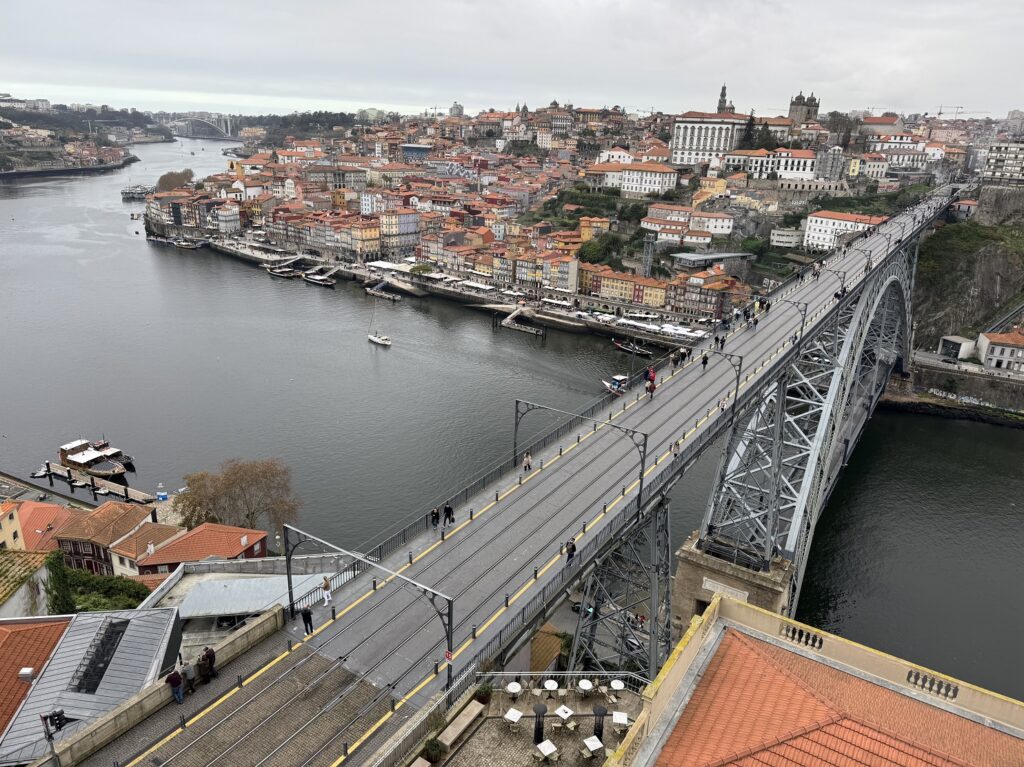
(999, 205)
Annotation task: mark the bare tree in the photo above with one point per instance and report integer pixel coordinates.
(255, 494)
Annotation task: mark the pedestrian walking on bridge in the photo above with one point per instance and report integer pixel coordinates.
(326, 586)
(704, 362)
(527, 461)
(188, 671)
(449, 515)
(307, 621)
(570, 551)
(435, 517)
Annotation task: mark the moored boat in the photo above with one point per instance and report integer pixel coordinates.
(284, 272)
(97, 459)
(617, 385)
(632, 348)
(319, 279)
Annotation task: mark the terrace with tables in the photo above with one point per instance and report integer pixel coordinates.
(574, 719)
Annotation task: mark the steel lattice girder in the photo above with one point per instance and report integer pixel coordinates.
(778, 465)
(609, 637)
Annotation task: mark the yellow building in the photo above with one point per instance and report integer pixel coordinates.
(853, 167)
(593, 226)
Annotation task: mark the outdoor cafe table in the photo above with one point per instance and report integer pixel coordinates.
(564, 712)
(593, 744)
(546, 748)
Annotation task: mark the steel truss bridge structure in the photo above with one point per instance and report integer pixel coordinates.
(198, 127)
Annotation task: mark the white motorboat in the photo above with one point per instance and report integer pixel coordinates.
(617, 385)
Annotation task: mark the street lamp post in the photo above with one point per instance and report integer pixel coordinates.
(736, 360)
(802, 306)
(842, 276)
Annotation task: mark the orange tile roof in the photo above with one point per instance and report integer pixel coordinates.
(857, 218)
(105, 524)
(206, 540)
(1013, 338)
(149, 532)
(758, 704)
(39, 521)
(23, 645)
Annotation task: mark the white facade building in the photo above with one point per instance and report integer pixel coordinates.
(698, 137)
(1002, 351)
(825, 227)
(789, 164)
(717, 224)
(615, 154)
(639, 179)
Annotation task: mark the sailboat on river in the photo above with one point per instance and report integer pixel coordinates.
(375, 337)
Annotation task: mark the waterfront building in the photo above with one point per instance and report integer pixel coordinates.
(126, 551)
(604, 282)
(703, 294)
(1002, 351)
(86, 540)
(825, 228)
(399, 233)
(30, 525)
(208, 540)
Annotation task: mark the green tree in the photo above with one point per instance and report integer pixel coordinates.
(255, 494)
(174, 179)
(765, 139)
(58, 588)
(748, 137)
(421, 269)
(754, 245)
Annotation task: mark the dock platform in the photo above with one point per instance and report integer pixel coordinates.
(98, 488)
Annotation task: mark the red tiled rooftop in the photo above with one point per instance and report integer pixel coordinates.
(23, 645)
(206, 540)
(758, 704)
(105, 524)
(135, 544)
(39, 521)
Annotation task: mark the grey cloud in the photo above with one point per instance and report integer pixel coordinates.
(411, 54)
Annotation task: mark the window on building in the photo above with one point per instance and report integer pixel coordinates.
(14, 535)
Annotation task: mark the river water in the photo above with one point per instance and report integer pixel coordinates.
(187, 358)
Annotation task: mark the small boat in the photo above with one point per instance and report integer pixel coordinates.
(188, 244)
(284, 272)
(79, 483)
(631, 348)
(97, 459)
(379, 340)
(102, 491)
(617, 385)
(39, 473)
(318, 279)
(378, 293)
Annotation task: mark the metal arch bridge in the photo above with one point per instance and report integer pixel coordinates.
(222, 127)
(792, 399)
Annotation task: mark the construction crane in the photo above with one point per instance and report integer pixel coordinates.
(943, 106)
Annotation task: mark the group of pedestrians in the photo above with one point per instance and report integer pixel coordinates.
(184, 676)
(444, 516)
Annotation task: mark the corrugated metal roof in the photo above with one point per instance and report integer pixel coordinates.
(135, 663)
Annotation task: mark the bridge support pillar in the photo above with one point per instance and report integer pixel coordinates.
(699, 576)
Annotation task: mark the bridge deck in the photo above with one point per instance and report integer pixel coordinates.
(394, 636)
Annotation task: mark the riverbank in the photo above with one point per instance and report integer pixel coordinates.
(83, 170)
(928, 403)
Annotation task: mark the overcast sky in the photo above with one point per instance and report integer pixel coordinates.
(281, 56)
